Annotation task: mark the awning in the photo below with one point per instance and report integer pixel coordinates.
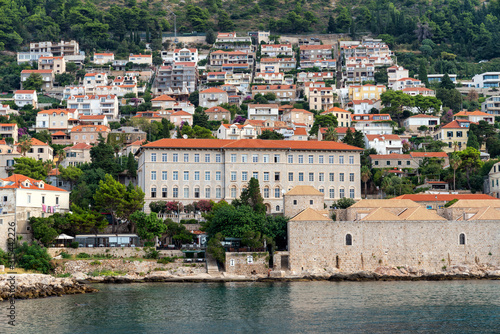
(64, 237)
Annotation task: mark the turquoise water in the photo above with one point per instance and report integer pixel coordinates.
(298, 307)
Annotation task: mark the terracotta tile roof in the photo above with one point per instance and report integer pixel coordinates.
(251, 143)
(456, 124)
(392, 156)
(104, 54)
(303, 111)
(17, 181)
(163, 98)
(383, 137)
(36, 142)
(239, 126)
(420, 214)
(255, 122)
(418, 89)
(423, 116)
(98, 128)
(58, 133)
(191, 50)
(335, 109)
(273, 87)
(24, 91)
(137, 143)
(8, 125)
(216, 110)
(383, 203)
(428, 155)
(363, 101)
(472, 113)
(380, 214)
(141, 55)
(181, 113)
(471, 203)
(229, 52)
(57, 111)
(304, 190)
(408, 79)
(257, 105)
(79, 146)
(185, 63)
(212, 90)
(94, 74)
(37, 71)
(300, 132)
(444, 197)
(83, 117)
(315, 47)
(310, 215)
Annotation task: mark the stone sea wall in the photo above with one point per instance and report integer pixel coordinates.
(119, 252)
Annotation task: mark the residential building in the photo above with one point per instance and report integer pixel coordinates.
(95, 105)
(486, 80)
(364, 106)
(150, 116)
(403, 83)
(359, 70)
(47, 77)
(54, 120)
(127, 134)
(180, 76)
(163, 102)
(6, 111)
(186, 55)
(413, 91)
(61, 138)
(93, 120)
(56, 64)
(330, 64)
(263, 112)
(240, 81)
(491, 105)
(454, 134)
(216, 78)
(62, 48)
(24, 197)
(412, 160)
(39, 150)
(321, 98)
(365, 48)
(344, 117)
(366, 92)
(273, 65)
(95, 79)
(212, 97)
(236, 131)
(282, 92)
(140, 59)
(308, 86)
(394, 73)
(436, 78)
(315, 76)
(231, 60)
(9, 130)
(88, 134)
(132, 148)
(274, 50)
(384, 144)
(25, 97)
(229, 41)
(188, 170)
(118, 90)
(218, 114)
(429, 201)
(76, 155)
(341, 132)
(298, 116)
(31, 57)
(275, 78)
(412, 123)
(263, 36)
(103, 58)
(373, 124)
(311, 52)
(474, 116)
(493, 180)
(180, 117)
(7, 155)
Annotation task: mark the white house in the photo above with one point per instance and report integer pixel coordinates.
(103, 58)
(25, 97)
(140, 59)
(414, 122)
(95, 105)
(384, 144)
(263, 112)
(236, 131)
(364, 106)
(373, 124)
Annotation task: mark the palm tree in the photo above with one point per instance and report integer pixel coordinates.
(455, 162)
(24, 145)
(365, 176)
(455, 146)
(61, 154)
(331, 134)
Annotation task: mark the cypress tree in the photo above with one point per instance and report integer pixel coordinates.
(422, 73)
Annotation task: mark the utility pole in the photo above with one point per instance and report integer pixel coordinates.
(169, 8)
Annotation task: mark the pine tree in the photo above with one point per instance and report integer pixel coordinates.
(251, 196)
(131, 166)
(472, 141)
(359, 139)
(348, 138)
(422, 73)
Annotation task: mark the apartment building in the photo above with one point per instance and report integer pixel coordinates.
(366, 92)
(95, 79)
(493, 180)
(62, 48)
(373, 124)
(315, 76)
(364, 106)
(486, 80)
(263, 112)
(394, 73)
(359, 70)
(56, 64)
(187, 170)
(310, 52)
(140, 59)
(412, 123)
(384, 144)
(54, 120)
(474, 116)
(25, 97)
(212, 97)
(31, 57)
(344, 118)
(491, 105)
(273, 65)
(413, 91)
(48, 77)
(411, 160)
(216, 77)
(321, 98)
(322, 64)
(437, 78)
(7, 155)
(454, 134)
(218, 114)
(275, 50)
(403, 83)
(76, 155)
(231, 60)
(186, 55)
(236, 131)
(39, 150)
(375, 48)
(179, 76)
(180, 117)
(275, 78)
(229, 41)
(9, 130)
(282, 92)
(103, 58)
(88, 134)
(95, 105)
(6, 111)
(298, 116)
(93, 120)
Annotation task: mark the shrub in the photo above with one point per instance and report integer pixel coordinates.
(63, 275)
(33, 257)
(149, 244)
(73, 244)
(151, 253)
(166, 260)
(450, 203)
(95, 263)
(83, 256)
(65, 255)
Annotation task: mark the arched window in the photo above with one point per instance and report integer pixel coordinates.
(277, 208)
(348, 240)
(462, 239)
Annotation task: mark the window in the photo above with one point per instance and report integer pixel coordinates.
(277, 192)
(175, 193)
(277, 208)
(218, 193)
(233, 157)
(265, 158)
(244, 176)
(186, 175)
(330, 159)
(321, 177)
(207, 157)
(351, 160)
(197, 176)
(342, 193)
(153, 175)
(301, 176)
(351, 193)
(376, 162)
(255, 175)
(341, 177)
(301, 159)
(331, 177)
(351, 177)
(207, 192)
(290, 159)
(311, 159)
(196, 192)
(57, 199)
(255, 158)
(217, 176)
(175, 157)
(311, 177)
(459, 134)
(341, 159)
(233, 192)
(164, 192)
(276, 176)
(399, 162)
(462, 239)
(331, 193)
(153, 157)
(388, 163)
(244, 158)
(186, 192)
(217, 157)
(231, 262)
(233, 176)
(321, 159)
(207, 176)
(294, 202)
(449, 134)
(153, 192)
(186, 157)
(266, 192)
(164, 157)
(266, 176)
(290, 176)
(29, 198)
(311, 202)
(276, 158)
(175, 176)
(348, 240)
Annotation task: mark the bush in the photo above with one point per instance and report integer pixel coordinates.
(74, 244)
(95, 263)
(149, 244)
(83, 256)
(189, 221)
(450, 203)
(33, 257)
(63, 275)
(65, 255)
(165, 260)
(151, 253)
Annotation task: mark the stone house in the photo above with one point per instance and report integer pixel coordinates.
(76, 155)
(88, 134)
(303, 196)
(212, 97)
(218, 114)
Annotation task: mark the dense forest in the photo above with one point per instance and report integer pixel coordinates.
(467, 29)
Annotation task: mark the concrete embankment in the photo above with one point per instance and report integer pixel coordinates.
(28, 286)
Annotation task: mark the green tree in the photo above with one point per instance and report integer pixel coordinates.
(446, 82)
(349, 137)
(395, 103)
(102, 156)
(65, 79)
(343, 203)
(200, 118)
(178, 233)
(33, 257)
(422, 72)
(148, 226)
(24, 145)
(470, 161)
(210, 37)
(455, 162)
(323, 121)
(83, 220)
(43, 230)
(201, 132)
(252, 197)
(109, 198)
(70, 174)
(132, 201)
(34, 81)
(331, 134)
(472, 141)
(131, 166)
(426, 103)
(365, 177)
(271, 135)
(224, 22)
(359, 139)
(29, 167)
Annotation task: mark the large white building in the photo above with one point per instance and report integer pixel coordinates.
(106, 105)
(493, 179)
(189, 170)
(487, 79)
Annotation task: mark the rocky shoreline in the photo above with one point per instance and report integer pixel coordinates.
(28, 286)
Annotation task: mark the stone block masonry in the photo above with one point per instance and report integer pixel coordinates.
(429, 245)
(117, 252)
(247, 263)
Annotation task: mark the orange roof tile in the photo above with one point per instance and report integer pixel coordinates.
(443, 197)
(18, 182)
(79, 146)
(428, 155)
(212, 90)
(456, 124)
(24, 91)
(216, 109)
(471, 113)
(335, 109)
(315, 47)
(273, 87)
(98, 128)
(58, 133)
(163, 98)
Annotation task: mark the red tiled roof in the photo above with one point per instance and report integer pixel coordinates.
(443, 197)
(104, 54)
(18, 182)
(97, 128)
(335, 109)
(58, 133)
(24, 91)
(181, 113)
(456, 124)
(315, 47)
(471, 113)
(36, 71)
(392, 156)
(212, 90)
(418, 89)
(300, 132)
(92, 117)
(163, 98)
(57, 111)
(79, 146)
(423, 116)
(216, 109)
(36, 142)
(429, 155)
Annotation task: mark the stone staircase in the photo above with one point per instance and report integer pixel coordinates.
(212, 268)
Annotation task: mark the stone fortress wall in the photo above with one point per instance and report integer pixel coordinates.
(429, 245)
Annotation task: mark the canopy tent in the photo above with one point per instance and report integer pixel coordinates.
(64, 237)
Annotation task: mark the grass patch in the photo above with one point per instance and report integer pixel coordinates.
(95, 263)
(65, 255)
(83, 256)
(106, 272)
(63, 275)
